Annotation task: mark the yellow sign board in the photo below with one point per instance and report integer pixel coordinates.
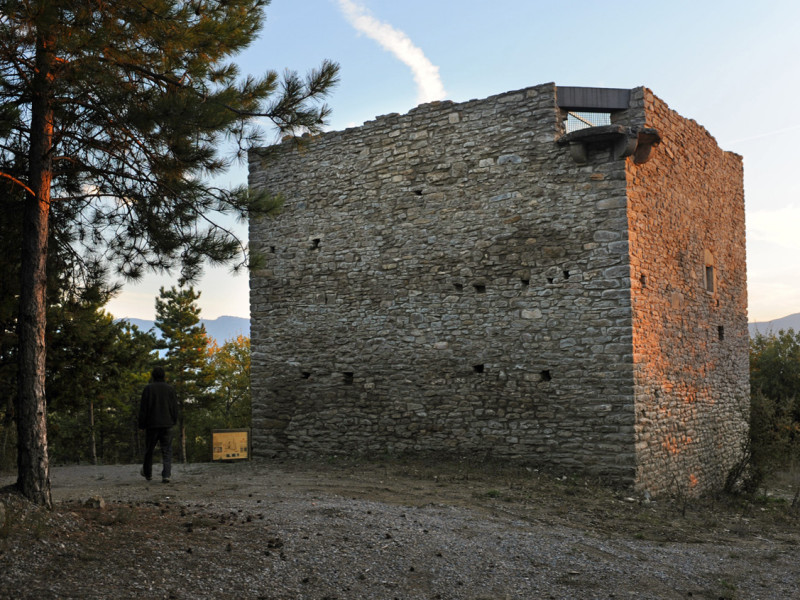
(230, 444)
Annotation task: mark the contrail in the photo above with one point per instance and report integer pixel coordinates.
(426, 74)
(767, 134)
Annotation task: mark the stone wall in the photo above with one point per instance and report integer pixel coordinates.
(446, 280)
(452, 281)
(686, 216)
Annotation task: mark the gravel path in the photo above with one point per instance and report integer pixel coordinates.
(316, 531)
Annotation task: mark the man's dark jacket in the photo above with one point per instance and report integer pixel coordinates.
(159, 406)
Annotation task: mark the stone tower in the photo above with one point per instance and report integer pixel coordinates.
(555, 275)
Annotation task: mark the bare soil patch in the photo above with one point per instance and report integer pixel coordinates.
(385, 529)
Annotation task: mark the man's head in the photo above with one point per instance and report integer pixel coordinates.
(158, 374)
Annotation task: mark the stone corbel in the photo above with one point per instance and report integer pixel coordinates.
(624, 142)
(647, 137)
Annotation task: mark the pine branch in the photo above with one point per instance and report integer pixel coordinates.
(17, 182)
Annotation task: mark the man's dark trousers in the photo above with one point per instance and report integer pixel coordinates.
(163, 437)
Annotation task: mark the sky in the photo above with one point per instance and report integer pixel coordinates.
(731, 65)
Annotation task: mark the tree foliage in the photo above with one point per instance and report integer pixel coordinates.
(142, 96)
(186, 343)
(112, 116)
(775, 403)
(227, 400)
(65, 286)
(230, 368)
(775, 367)
(96, 368)
(212, 382)
(10, 237)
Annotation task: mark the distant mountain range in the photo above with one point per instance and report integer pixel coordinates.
(221, 329)
(767, 327)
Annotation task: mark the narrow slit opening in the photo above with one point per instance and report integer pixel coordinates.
(709, 278)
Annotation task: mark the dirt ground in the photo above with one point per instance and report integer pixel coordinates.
(384, 529)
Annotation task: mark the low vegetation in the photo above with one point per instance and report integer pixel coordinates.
(774, 450)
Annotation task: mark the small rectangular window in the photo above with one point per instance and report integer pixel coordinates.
(709, 278)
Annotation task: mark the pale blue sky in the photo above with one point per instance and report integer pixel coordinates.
(732, 66)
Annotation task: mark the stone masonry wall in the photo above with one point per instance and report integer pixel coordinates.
(686, 213)
(447, 281)
(451, 281)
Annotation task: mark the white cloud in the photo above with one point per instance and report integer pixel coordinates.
(426, 74)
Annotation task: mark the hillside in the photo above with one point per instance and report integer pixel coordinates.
(767, 327)
(221, 329)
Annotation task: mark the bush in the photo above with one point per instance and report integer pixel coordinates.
(774, 405)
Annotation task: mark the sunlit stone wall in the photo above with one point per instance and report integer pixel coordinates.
(451, 281)
(689, 295)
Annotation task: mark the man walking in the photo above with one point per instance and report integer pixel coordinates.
(158, 412)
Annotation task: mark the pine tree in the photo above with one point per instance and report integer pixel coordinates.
(10, 237)
(66, 285)
(113, 113)
(94, 369)
(186, 343)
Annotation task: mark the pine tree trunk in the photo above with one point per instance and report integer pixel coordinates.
(6, 433)
(137, 444)
(33, 467)
(92, 443)
(183, 441)
(7, 425)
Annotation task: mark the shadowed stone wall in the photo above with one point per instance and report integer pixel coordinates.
(451, 280)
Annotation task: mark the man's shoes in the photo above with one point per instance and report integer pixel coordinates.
(165, 480)
(141, 472)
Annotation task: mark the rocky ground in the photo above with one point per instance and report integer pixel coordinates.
(342, 529)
